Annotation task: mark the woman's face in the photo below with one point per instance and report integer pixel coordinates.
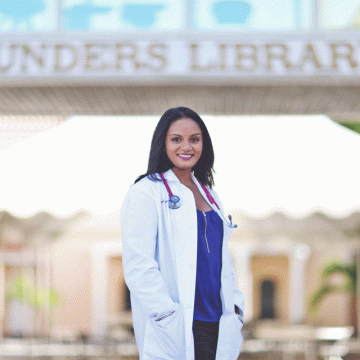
(184, 143)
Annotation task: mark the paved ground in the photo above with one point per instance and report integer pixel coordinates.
(98, 354)
(269, 356)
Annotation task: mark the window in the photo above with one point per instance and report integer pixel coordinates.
(258, 15)
(267, 299)
(28, 15)
(335, 14)
(128, 15)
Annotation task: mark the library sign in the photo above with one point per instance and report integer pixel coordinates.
(119, 60)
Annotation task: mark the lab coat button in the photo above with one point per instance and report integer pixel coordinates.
(191, 266)
(188, 305)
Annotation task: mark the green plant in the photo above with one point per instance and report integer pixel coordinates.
(23, 290)
(326, 288)
(354, 126)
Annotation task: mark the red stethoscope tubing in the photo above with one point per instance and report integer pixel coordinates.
(174, 201)
(211, 199)
(167, 185)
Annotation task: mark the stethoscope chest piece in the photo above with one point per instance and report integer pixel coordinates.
(174, 202)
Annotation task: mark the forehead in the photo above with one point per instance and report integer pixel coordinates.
(184, 126)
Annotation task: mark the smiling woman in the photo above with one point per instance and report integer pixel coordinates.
(184, 144)
(181, 126)
(176, 259)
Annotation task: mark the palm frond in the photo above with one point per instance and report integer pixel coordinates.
(348, 270)
(324, 290)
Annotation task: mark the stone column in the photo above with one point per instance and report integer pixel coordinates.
(298, 256)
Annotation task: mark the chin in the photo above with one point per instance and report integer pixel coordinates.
(184, 167)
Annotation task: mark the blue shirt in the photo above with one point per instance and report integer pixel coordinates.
(208, 306)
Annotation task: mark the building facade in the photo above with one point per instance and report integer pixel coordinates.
(111, 57)
(217, 56)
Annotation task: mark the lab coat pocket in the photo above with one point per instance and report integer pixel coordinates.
(171, 330)
(167, 337)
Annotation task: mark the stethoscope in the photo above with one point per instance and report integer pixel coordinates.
(174, 201)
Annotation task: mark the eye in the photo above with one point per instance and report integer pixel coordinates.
(196, 139)
(175, 139)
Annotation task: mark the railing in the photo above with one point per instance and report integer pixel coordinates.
(288, 342)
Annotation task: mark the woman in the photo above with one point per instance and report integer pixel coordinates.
(177, 266)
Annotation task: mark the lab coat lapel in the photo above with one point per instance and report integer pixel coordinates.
(183, 223)
(184, 236)
(227, 230)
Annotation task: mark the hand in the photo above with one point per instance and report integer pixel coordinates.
(164, 316)
(237, 311)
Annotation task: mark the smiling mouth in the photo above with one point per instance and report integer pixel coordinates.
(185, 157)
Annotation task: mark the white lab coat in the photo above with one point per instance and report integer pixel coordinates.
(159, 259)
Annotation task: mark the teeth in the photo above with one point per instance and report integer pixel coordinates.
(185, 156)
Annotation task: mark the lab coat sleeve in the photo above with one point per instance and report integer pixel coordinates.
(139, 228)
(239, 298)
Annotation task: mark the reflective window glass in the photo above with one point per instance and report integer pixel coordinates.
(128, 15)
(251, 15)
(335, 14)
(28, 15)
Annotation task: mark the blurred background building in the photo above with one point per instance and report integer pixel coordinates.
(60, 58)
(220, 56)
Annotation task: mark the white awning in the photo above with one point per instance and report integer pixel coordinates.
(265, 164)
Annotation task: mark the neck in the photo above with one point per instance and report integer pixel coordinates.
(183, 175)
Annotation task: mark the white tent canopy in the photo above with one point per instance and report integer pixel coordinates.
(296, 165)
(264, 164)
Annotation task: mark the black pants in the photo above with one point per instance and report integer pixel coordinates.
(205, 339)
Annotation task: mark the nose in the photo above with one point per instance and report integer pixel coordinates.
(186, 145)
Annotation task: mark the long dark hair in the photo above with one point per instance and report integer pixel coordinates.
(158, 159)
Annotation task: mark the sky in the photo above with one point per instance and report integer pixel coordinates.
(295, 164)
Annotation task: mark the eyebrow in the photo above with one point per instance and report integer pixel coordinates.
(181, 136)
